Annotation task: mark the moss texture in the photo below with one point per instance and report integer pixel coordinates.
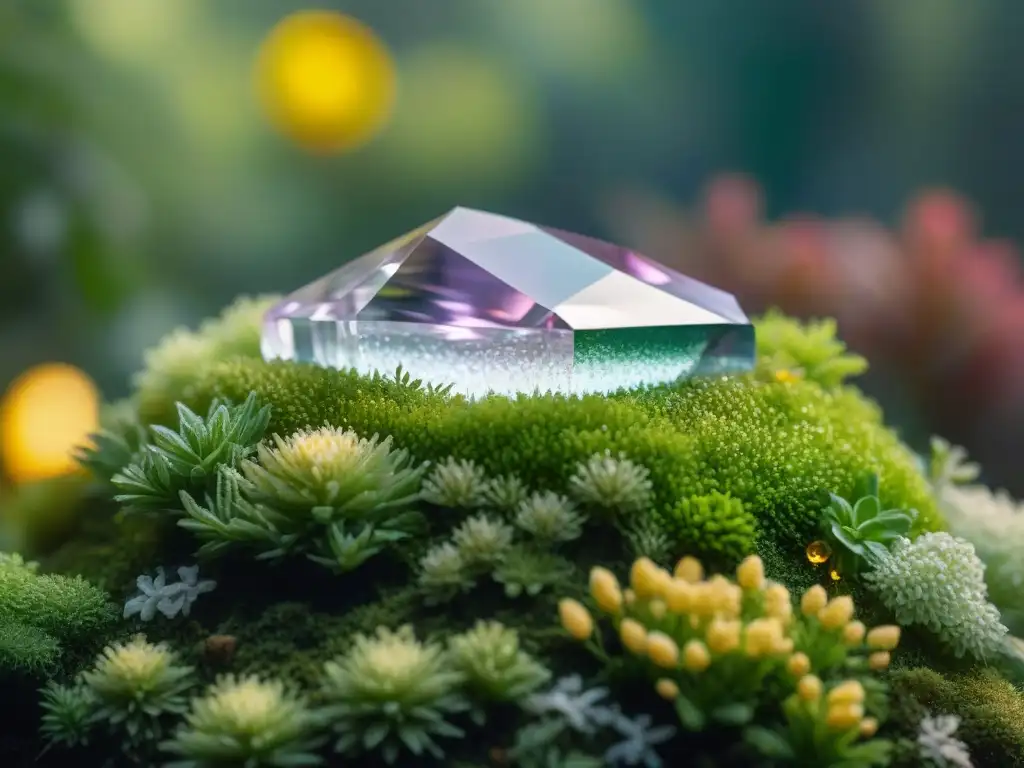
(772, 445)
(990, 708)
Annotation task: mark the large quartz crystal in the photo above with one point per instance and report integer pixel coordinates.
(491, 304)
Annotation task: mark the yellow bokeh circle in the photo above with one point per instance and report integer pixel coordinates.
(45, 414)
(326, 80)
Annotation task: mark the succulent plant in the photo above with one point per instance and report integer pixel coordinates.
(247, 721)
(391, 693)
(483, 540)
(68, 714)
(456, 484)
(613, 484)
(496, 668)
(864, 531)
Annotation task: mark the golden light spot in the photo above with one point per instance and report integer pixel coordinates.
(834, 574)
(818, 552)
(46, 413)
(326, 80)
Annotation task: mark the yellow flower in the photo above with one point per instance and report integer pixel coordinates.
(778, 603)
(868, 727)
(783, 645)
(679, 596)
(633, 636)
(809, 688)
(750, 573)
(848, 692)
(695, 656)
(763, 636)
(657, 609)
(798, 665)
(853, 633)
(705, 599)
(727, 597)
(884, 638)
(842, 717)
(814, 600)
(689, 569)
(879, 660)
(723, 635)
(575, 618)
(662, 650)
(644, 578)
(837, 613)
(667, 689)
(604, 588)
(628, 596)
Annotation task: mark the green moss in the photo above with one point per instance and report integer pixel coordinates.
(716, 526)
(172, 364)
(810, 348)
(990, 708)
(27, 649)
(774, 446)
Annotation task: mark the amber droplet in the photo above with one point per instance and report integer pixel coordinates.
(834, 574)
(818, 552)
(220, 649)
(786, 377)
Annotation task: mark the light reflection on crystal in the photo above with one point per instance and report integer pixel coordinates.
(492, 304)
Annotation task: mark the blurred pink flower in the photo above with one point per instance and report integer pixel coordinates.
(929, 303)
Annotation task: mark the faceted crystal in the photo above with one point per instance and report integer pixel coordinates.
(492, 304)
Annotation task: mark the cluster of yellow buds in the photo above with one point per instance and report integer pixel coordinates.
(835, 617)
(682, 620)
(842, 707)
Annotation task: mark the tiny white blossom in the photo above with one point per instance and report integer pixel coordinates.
(936, 741)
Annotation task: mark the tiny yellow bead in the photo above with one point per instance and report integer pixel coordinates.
(657, 609)
(633, 636)
(834, 574)
(728, 599)
(868, 727)
(689, 569)
(750, 573)
(879, 660)
(679, 596)
(853, 633)
(605, 590)
(723, 635)
(848, 692)
(798, 665)
(695, 656)
(837, 613)
(813, 600)
(628, 596)
(884, 638)
(662, 650)
(786, 377)
(575, 619)
(842, 717)
(705, 599)
(783, 646)
(643, 578)
(667, 689)
(818, 552)
(809, 688)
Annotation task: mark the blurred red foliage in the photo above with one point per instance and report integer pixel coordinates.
(929, 302)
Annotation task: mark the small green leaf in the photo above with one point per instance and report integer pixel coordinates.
(839, 533)
(866, 508)
(733, 714)
(768, 743)
(689, 714)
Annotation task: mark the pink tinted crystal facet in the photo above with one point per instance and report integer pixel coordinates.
(490, 304)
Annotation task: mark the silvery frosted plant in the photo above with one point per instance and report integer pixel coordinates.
(937, 742)
(582, 709)
(482, 540)
(156, 595)
(638, 742)
(614, 484)
(549, 517)
(938, 581)
(444, 572)
(456, 484)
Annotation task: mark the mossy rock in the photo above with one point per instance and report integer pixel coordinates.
(991, 711)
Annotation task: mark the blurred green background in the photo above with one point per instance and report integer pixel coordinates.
(142, 187)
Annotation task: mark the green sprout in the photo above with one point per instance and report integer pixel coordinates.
(864, 531)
